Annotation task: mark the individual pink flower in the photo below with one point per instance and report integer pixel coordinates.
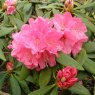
(66, 77)
(37, 44)
(11, 10)
(10, 6)
(9, 67)
(73, 31)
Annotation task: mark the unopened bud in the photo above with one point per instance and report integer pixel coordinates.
(69, 4)
(4, 6)
(9, 67)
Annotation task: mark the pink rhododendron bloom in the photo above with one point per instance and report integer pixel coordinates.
(10, 6)
(11, 2)
(11, 10)
(37, 44)
(73, 30)
(66, 77)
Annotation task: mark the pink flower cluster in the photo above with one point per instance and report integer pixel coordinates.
(10, 5)
(73, 30)
(38, 43)
(66, 77)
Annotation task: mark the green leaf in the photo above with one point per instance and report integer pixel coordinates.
(5, 30)
(18, 22)
(85, 6)
(68, 61)
(42, 91)
(2, 78)
(38, 11)
(47, 14)
(24, 73)
(82, 75)
(91, 55)
(79, 89)
(15, 86)
(2, 55)
(23, 85)
(55, 11)
(94, 86)
(89, 65)
(82, 57)
(89, 47)
(44, 77)
(6, 19)
(27, 11)
(55, 91)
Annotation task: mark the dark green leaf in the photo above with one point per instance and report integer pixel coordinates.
(68, 61)
(55, 91)
(23, 85)
(82, 57)
(39, 12)
(15, 86)
(18, 22)
(27, 11)
(89, 65)
(47, 14)
(42, 91)
(44, 77)
(2, 78)
(24, 73)
(79, 89)
(5, 30)
(85, 6)
(2, 55)
(89, 47)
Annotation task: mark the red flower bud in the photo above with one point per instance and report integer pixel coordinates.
(66, 77)
(9, 67)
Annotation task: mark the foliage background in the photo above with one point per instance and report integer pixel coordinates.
(23, 81)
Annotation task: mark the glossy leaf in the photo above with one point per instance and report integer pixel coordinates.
(42, 91)
(66, 60)
(2, 78)
(24, 73)
(5, 30)
(89, 65)
(82, 57)
(2, 55)
(44, 77)
(85, 6)
(27, 11)
(79, 89)
(15, 86)
(90, 47)
(54, 91)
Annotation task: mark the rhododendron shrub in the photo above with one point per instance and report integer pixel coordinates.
(47, 47)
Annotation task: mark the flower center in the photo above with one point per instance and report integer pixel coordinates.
(63, 79)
